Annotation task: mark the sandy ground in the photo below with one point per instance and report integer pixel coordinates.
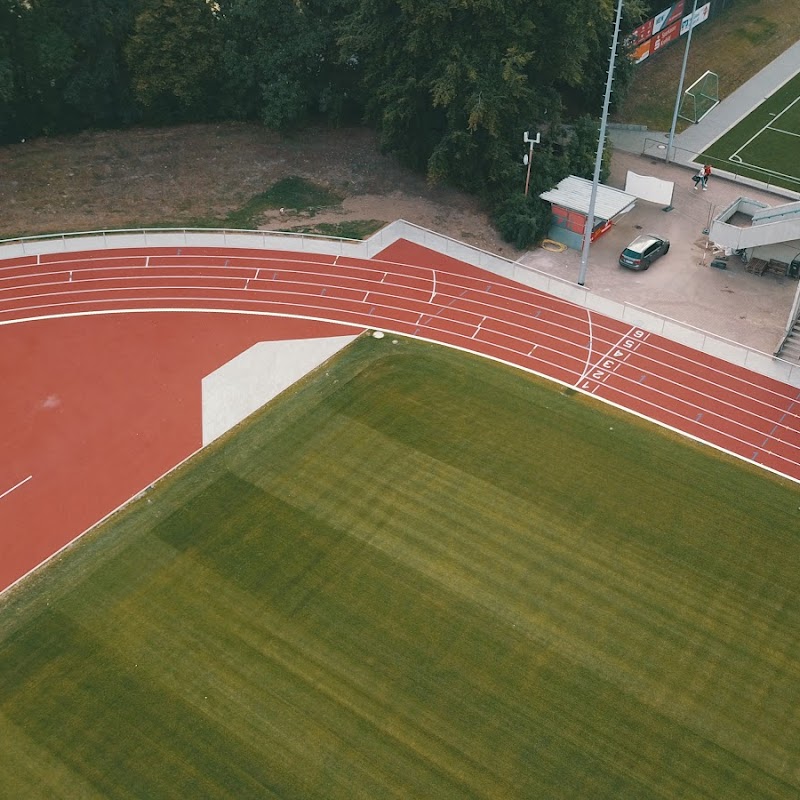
(463, 221)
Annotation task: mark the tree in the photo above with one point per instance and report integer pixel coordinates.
(581, 149)
(7, 83)
(450, 83)
(42, 61)
(280, 60)
(61, 65)
(586, 96)
(173, 56)
(97, 92)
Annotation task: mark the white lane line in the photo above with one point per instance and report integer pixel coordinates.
(16, 486)
(589, 352)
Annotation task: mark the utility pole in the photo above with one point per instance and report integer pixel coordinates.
(680, 84)
(587, 231)
(526, 138)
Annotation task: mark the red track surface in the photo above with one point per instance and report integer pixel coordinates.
(101, 402)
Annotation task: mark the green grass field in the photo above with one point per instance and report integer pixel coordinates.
(765, 145)
(419, 575)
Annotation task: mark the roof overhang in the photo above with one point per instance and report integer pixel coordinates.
(575, 193)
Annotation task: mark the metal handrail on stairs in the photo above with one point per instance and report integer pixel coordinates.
(793, 325)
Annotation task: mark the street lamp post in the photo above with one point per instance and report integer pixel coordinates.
(587, 231)
(526, 138)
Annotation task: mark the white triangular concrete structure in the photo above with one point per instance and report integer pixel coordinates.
(253, 378)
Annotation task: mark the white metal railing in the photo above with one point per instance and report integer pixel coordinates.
(705, 341)
(224, 237)
(794, 316)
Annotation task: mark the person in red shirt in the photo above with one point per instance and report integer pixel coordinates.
(706, 173)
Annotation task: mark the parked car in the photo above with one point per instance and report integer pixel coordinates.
(643, 251)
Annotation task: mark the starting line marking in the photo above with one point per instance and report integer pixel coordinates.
(607, 364)
(16, 486)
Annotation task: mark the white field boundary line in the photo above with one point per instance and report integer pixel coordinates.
(361, 317)
(737, 159)
(709, 409)
(764, 170)
(367, 266)
(492, 309)
(544, 300)
(540, 297)
(706, 382)
(785, 132)
(15, 486)
(748, 110)
(488, 309)
(508, 288)
(385, 315)
(311, 279)
(480, 260)
(734, 384)
(708, 336)
(505, 362)
(742, 442)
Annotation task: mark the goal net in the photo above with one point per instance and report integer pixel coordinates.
(700, 97)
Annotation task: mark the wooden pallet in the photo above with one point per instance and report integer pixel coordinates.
(756, 265)
(777, 267)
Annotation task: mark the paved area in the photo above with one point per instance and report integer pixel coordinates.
(748, 309)
(732, 303)
(253, 378)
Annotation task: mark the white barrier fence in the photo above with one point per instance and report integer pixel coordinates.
(755, 360)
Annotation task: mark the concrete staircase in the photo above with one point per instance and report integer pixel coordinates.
(759, 224)
(790, 349)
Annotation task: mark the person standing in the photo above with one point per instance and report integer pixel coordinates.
(706, 174)
(699, 178)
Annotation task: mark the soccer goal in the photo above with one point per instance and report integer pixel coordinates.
(700, 97)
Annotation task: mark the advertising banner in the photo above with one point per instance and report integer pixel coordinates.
(701, 15)
(642, 51)
(666, 36)
(668, 16)
(643, 32)
(655, 25)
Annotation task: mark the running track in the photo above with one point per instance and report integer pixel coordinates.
(104, 400)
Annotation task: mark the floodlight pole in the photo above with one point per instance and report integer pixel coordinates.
(598, 161)
(680, 84)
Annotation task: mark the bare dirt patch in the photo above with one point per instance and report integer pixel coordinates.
(196, 174)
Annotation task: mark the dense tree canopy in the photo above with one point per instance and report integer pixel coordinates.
(173, 54)
(450, 84)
